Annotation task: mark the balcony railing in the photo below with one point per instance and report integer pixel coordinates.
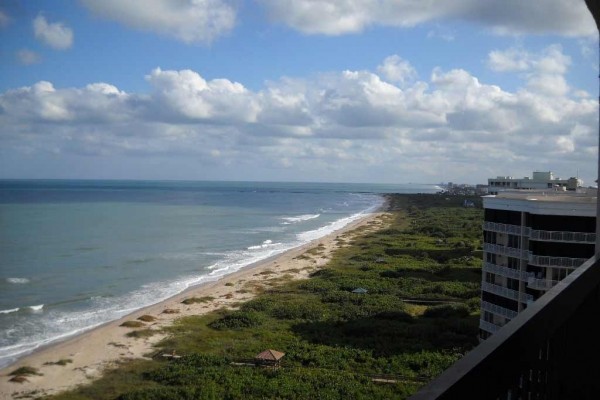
(507, 272)
(541, 284)
(548, 351)
(561, 236)
(505, 228)
(558, 262)
(488, 326)
(496, 309)
(504, 250)
(506, 292)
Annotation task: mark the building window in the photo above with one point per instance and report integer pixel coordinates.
(490, 257)
(488, 316)
(513, 263)
(512, 284)
(490, 278)
(490, 237)
(513, 241)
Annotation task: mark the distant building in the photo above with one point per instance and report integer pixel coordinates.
(532, 240)
(540, 180)
(481, 189)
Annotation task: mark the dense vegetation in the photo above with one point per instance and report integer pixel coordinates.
(419, 315)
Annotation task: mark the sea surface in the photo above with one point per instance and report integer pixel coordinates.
(75, 254)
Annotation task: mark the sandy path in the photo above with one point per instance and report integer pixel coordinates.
(92, 352)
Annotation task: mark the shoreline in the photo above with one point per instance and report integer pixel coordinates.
(86, 355)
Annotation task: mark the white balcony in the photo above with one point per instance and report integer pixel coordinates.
(506, 292)
(507, 272)
(557, 262)
(505, 250)
(488, 326)
(505, 228)
(496, 309)
(541, 284)
(541, 235)
(561, 236)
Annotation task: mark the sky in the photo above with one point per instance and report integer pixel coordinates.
(380, 91)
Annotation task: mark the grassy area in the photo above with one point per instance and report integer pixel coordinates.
(418, 316)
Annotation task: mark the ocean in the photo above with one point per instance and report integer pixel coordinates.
(75, 254)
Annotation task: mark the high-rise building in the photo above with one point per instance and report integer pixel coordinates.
(532, 240)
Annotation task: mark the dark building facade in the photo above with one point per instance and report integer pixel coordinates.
(532, 240)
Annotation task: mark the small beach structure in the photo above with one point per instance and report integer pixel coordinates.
(360, 290)
(269, 358)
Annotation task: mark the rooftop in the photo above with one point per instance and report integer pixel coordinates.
(579, 196)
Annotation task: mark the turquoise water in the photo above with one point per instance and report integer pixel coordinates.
(76, 254)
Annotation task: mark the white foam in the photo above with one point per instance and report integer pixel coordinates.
(36, 308)
(299, 218)
(12, 310)
(18, 281)
(264, 245)
(308, 236)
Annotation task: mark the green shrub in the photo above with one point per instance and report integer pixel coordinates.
(26, 370)
(238, 320)
(447, 311)
(290, 310)
(193, 300)
(132, 324)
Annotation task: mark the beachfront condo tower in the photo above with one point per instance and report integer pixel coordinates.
(532, 240)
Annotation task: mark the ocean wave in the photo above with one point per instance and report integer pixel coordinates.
(35, 309)
(314, 234)
(299, 218)
(264, 245)
(18, 281)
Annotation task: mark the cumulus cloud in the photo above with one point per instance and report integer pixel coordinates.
(395, 69)
(191, 21)
(28, 57)
(187, 94)
(336, 125)
(507, 17)
(56, 35)
(543, 71)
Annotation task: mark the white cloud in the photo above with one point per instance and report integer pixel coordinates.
(341, 125)
(395, 69)
(507, 17)
(190, 21)
(187, 94)
(28, 57)
(548, 84)
(55, 35)
(543, 72)
(512, 59)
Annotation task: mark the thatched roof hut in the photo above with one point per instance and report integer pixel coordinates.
(269, 357)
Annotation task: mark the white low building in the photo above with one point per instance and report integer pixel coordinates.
(540, 180)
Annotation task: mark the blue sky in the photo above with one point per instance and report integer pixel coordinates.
(301, 90)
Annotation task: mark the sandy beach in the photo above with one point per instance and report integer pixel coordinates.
(86, 356)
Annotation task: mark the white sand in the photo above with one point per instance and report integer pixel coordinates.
(94, 351)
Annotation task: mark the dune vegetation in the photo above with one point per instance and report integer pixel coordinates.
(417, 312)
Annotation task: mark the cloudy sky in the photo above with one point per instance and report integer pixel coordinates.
(298, 90)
